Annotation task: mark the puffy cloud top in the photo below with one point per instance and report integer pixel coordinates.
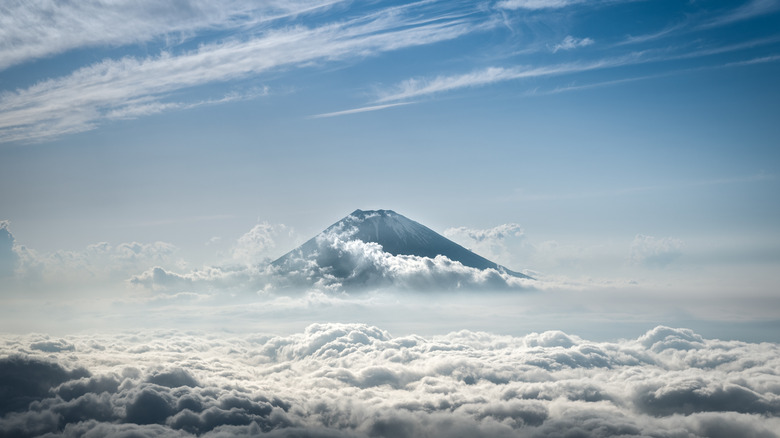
(341, 262)
(358, 380)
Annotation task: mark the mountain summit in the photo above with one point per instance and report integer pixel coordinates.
(377, 246)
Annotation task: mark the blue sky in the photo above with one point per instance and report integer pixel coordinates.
(625, 142)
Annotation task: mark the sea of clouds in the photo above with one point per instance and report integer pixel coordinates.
(359, 380)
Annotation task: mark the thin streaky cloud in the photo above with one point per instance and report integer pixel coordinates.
(539, 5)
(82, 100)
(748, 11)
(638, 39)
(147, 106)
(35, 30)
(414, 88)
(761, 60)
(359, 110)
(557, 90)
(753, 9)
(567, 89)
(536, 4)
(722, 49)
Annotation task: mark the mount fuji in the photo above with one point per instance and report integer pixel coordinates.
(382, 247)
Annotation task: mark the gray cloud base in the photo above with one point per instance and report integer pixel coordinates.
(358, 380)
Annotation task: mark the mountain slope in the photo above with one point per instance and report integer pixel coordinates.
(397, 235)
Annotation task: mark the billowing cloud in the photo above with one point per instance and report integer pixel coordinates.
(654, 252)
(359, 380)
(97, 261)
(226, 278)
(149, 264)
(24, 270)
(256, 243)
(354, 264)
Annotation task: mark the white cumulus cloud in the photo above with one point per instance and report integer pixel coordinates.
(23, 269)
(361, 381)
(257, 242)
(342, 262)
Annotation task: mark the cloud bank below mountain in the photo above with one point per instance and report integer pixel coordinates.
(359, 380)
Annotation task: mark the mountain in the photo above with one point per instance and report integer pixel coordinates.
(333, 252)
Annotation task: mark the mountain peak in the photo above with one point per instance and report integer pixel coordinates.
(382, 231)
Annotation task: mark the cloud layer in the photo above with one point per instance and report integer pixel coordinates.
(37, 29)
(129, 86)
(359, 380)
(157, 58)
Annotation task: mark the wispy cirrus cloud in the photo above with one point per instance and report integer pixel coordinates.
(363, 109)
(419, 87)
(704, 20)
(130, 87)
(36, 29)
(537, 4)
(413, 88)
(750, 10)
(243, 40)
